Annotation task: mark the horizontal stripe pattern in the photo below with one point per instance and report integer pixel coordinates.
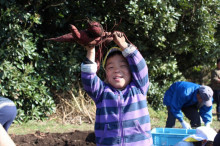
(127, 116)
(146, 142)
(126, 123)
(137, 139)
(128, 108)
(122, 117)
(139, 71)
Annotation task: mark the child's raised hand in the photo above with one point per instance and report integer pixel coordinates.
(119, 39)
(90, 52)
(89, 47)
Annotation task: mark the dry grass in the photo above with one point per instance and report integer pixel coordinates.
(75, 110)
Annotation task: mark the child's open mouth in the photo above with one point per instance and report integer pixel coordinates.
(118, 78)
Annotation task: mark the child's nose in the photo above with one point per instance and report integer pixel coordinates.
(117, 69)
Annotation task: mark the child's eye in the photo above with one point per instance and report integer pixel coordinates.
(124, 66)
(110, 67)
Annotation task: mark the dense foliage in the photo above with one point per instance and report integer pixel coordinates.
(178, 38)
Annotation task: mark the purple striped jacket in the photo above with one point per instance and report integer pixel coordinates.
(122, 117)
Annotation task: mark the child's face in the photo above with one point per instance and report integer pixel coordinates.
(117, 71)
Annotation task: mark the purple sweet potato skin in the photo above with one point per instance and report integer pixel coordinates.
(94, 35)
(64, 38)
(95, 29)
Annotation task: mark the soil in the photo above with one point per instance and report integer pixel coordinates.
(76, 138)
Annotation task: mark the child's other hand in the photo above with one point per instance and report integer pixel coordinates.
(119, 39)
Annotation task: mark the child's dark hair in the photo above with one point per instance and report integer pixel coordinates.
(218, 60)
(112, 54)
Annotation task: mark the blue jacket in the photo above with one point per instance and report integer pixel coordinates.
(182, 94)
(122, 116)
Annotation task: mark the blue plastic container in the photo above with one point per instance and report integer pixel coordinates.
(169, 136)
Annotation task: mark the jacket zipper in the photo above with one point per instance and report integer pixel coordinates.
(120, 119)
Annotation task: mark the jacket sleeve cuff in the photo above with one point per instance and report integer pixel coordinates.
(129, 50)
(89, 68)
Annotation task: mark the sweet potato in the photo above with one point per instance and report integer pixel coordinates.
(64, 38)
(95, 29)
(93, 35)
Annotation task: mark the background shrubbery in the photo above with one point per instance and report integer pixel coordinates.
(179, 40)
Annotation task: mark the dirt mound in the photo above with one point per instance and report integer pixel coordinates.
(76, 138)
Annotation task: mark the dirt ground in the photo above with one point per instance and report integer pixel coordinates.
(76, 138)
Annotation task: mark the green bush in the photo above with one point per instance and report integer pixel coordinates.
(27, 90)
(18, 62)
(162, 75)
